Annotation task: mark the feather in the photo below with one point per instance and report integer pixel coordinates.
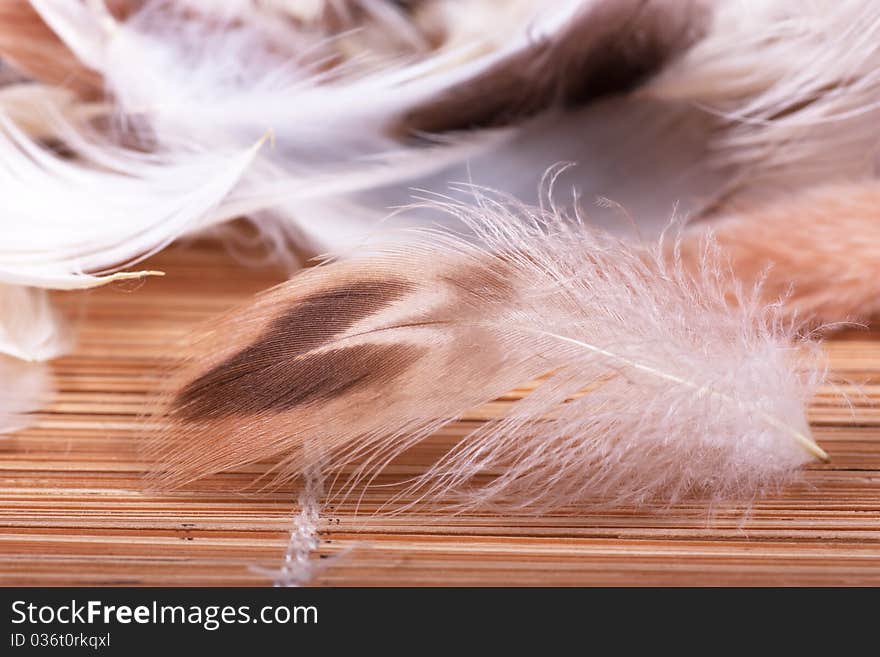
(653, 387)
(798, 87)
(67, 225)
(175, 78)
(817, 251)
(648, 157)
(350, 30)
(218, 77)
(185, 76)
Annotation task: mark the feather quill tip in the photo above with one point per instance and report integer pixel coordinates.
(129, 275)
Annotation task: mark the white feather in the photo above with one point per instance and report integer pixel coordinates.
(70, 225)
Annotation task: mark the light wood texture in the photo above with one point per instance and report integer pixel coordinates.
(72, 510)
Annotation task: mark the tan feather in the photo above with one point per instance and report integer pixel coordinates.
(654, 386)
(819, 250)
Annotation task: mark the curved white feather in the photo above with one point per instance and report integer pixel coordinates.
(70, 224)
(189, 79)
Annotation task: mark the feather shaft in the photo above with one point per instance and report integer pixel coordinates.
(804, 441)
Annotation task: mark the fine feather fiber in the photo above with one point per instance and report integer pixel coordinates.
(648, 385)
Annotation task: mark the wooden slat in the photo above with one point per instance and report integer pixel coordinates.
(73, 509)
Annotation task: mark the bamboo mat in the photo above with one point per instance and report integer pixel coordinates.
(72, 510)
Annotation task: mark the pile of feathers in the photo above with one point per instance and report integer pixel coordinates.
(641, 209)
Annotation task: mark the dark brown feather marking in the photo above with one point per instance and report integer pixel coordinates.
(609, 47)
(286, 385)
(323, 315)
(259, 376)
